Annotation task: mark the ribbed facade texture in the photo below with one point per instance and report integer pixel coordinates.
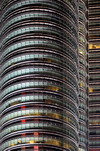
(83, 99)
(39, 76)
(94, 74)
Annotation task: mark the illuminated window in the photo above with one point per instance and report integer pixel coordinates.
(93, 46)
(90, 89)
(19, 141)
(12, 144)
(81, 84)
(52, 88)
(31, 141)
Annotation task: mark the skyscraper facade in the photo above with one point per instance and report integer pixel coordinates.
(94, 74)
(39, 76)
(83, 80)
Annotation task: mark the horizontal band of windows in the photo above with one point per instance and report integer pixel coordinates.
(68, 54)
(42, 84)
(43, 43)
(51, 38)
(68, 23)
(39, 119)
(42, 30)
(53, 86)
(38, 108)
(69, 107)
(39, 14)
(40, 70)
(62, 25)
(95, 142)
(39, 67)
(20, 92)
(60, 61)
(39, 125)
(41, 97)
(54, 94)
(46, 71)
(41, 40)
(57, 5)
(94, 133)
(67, 117)
(38, 140)
(64, 83)
(67, 13)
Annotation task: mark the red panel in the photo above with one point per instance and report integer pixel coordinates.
(23, 148)
(36, 133)
(23, 93)
(23, 134)
(23, 107)
(94, 149)
(36, 147)
(23, 121)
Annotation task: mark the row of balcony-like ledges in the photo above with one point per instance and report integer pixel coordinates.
(39, 90)
(94, 75)
(83, 133)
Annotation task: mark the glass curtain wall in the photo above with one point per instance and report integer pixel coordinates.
(94, 75)
(39, 76)
(83, 77)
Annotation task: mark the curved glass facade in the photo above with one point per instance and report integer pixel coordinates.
(39, 75)
(83, 78)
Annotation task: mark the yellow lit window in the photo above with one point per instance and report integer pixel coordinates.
(66, 146)
(81, 51)
(12, 144)
(55, 142)
(14, 103)
(55, 115)
(90, 46)
(81, 84)
(19, 141)
(31, 141)
(67, 120)
(36, 113)
(94, 46)
(90, 89)
(52, 88)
